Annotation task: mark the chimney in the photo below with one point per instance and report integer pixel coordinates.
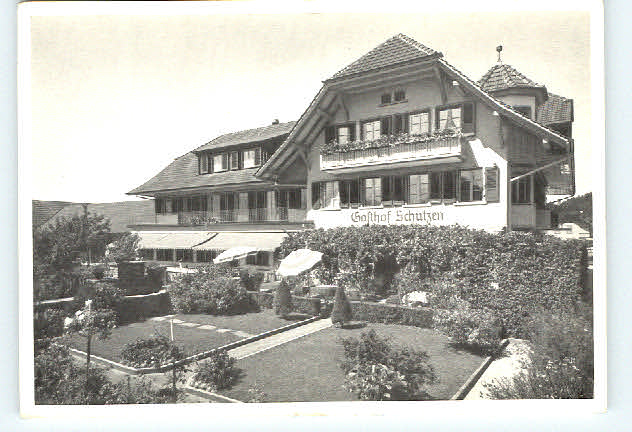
(275, 121)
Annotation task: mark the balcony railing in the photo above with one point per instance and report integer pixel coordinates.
(278, 214)
(437, 147)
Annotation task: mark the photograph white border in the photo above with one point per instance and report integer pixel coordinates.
(400, 410)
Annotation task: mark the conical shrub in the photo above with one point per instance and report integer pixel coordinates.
(283, 299)
(342, 312)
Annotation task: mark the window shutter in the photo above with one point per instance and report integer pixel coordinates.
(211, 165)
(413, 189)
(378, 190)
(491, 184)
(352, 131)
(385, 126)
(225, 161)
(467, 118)
(330, 134)
(258, 156)
(368, 192)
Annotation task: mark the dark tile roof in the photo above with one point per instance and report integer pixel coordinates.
(121, 214)
(279, 130)
(557, 109)
(183, 173)
(502, 77)
(43, 211)
(396, 50)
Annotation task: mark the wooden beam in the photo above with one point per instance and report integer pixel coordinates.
(441, 81)
(341, 102)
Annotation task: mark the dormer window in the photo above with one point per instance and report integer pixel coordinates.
(252, 158)
(525, 110)
(203, 163)
(220, 162)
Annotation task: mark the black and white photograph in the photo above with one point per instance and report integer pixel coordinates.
(241, 204)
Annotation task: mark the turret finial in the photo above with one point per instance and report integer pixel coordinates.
(499, 48)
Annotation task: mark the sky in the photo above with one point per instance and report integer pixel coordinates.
(114, 99)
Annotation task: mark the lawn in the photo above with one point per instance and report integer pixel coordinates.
(308, 369)
(191, 334)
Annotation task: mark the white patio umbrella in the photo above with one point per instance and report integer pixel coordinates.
(237, 252)
(299, 261)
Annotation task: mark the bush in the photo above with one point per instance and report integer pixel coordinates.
(156, 277)
(283, 299)
(251, 281)
(98, 271)
(562, 360)
(154, 351)
(470, 328)
(124, 249)
(205, 292)
(48, 323)
(341, 312)
(218, 372)
(374, 371)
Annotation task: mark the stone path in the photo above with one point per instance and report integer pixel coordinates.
(506, 367)
(239, 333)
(278, 339)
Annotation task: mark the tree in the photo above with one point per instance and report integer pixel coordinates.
(96, 318)
(124, 249)
(342, 312)
(283, 299)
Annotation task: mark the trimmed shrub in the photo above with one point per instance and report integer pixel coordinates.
(205, 292)
(156, 276)
(374, 371)
(392, 314)
(218, 372)
(98, 271)
(154, 351)
(251, 281)
(341, 312)
(283, 299)
(470, 328)
(48, 323)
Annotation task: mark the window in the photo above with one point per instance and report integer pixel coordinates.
(350, 193)
(491, 185)
(456, 117)
(252, 158)
(419, 123)
(160, 205)
(206, 255)
(373, 191)
(258, 259)
(525, 110)
(324, 194)
(220, 162)
(164, 254)
(372, 130)
(346, 133)
(203, 163)
(177, 205)
(235, 160)
(471, 185)
(184, 255)
(198, 203)
(443, 186)
(418, 188)
(521, 191)
(393, 190)
(257, 200)
(386, 98)
(400, 123)
(400, 95)
(290, 198)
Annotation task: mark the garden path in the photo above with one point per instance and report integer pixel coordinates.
(278, 339)
(208, 327)
(503, 368)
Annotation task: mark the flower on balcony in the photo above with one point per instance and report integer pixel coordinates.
(387, 141)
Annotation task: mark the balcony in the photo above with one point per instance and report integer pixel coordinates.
(256, 215)
(400, 151)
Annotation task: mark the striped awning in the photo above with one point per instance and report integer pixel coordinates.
(173, 240)
(263, 241)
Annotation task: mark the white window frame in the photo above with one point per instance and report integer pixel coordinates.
(456, 112)
(248, 161)
(372, 130)
(218, 163)
(343, 133)
(418, 122)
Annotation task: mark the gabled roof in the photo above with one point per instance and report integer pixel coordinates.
(182, 173)
(503, 77)
(278, 130)
(396, 50)
(556, 110)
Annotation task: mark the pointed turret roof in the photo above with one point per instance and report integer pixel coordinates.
(396, 50)
(503, 76)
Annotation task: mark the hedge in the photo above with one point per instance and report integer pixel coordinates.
(392, 314)
(512, 274)
(137, 308)
(306, 305)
